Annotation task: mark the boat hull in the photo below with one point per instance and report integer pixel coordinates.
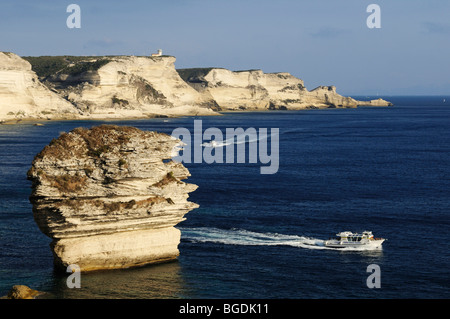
(373, 244)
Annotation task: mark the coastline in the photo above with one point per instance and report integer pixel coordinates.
(135, 87)
(117, 117)
(31, 120)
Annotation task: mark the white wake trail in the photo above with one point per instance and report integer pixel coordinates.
(237, 139)
(250, 238)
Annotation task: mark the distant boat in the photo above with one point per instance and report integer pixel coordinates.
(354, 240)
(211, 144)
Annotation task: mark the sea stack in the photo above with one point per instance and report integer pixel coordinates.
(109, 197)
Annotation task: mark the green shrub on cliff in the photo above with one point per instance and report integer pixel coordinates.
(83, 66)
(45, 66)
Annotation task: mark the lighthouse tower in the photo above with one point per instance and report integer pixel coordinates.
(157, 54)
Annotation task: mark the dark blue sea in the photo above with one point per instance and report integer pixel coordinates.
(255, 236)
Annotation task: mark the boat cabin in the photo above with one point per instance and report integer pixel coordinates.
(354, 237)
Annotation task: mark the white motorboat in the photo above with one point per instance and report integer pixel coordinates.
(355, 240)
(213, 144)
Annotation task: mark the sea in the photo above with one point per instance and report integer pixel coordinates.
(261, 236)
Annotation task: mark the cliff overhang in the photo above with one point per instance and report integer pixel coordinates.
(110, 197)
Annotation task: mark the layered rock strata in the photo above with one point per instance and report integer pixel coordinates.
(109, 197)
(22, 95)
(146, 86)
(128, 86)
(256, 90)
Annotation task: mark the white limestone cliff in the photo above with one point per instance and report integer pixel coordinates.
(256, 90)
(140, 87)
(22, 95)
(130, 86)
(109, 197)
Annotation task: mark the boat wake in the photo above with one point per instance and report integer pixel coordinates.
(237, 139)
(249, 238)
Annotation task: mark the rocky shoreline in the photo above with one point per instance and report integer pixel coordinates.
(22, 292)
(132, 87)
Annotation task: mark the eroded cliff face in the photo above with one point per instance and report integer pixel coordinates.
(22, 95)
(256, 90)
(140, 87)
(109, 197)
(130, 86)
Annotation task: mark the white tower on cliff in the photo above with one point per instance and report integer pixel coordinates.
(157, 54)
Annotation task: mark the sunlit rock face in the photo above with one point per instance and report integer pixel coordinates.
(130, 86)
(106, 87)
(256, 90)
(110, 196)
(22, 95)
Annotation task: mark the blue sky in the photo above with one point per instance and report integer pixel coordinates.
(323, 42)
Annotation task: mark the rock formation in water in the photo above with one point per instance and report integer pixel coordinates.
(22, 292)
(109, 197)
(256, 90)
(22, 95)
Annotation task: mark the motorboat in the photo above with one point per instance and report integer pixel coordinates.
(355, 240)
(213, 144)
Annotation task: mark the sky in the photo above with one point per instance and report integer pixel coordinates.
(322, 42)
